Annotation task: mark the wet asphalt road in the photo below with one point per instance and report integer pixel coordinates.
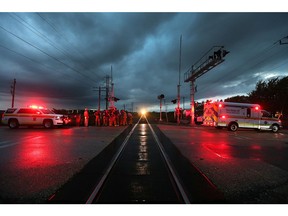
(35, 162)
(247, 166)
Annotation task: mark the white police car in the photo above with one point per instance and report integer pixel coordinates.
(31, 116)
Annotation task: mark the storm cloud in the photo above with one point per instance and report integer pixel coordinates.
(58, 59)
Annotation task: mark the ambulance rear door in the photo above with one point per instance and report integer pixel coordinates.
(265, 120)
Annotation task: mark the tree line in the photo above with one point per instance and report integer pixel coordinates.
(271, 94)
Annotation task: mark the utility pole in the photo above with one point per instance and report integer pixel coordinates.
(100, 89)
(183, 101)
(13, 86)
(208, 61)
(107, 91)
(178, 86)
(166, 111)
(111, 96)
(160, 97)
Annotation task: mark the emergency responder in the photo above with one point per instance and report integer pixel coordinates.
(105, 117)
(112, 118)
(86, 117)
(117, 117)
(130, 119)
(278, 115)
(97, 118)
(78, 119)
(123, 118)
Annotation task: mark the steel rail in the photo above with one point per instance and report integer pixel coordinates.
(170, 166)
(166, 159)
(112, 163)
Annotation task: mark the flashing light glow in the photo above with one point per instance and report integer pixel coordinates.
(220, 105)
(223, 117)
(36, 107)
(256, 108)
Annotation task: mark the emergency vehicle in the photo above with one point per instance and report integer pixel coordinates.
(239, 115)
(31, 116)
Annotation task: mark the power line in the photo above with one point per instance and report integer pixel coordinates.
(259, 57)
(34, 61)
(68, 66)
(62, 36)
(42, 36)
(38, 33)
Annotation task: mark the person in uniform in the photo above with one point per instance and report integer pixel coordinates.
(97, 118)
(124, 118)
(112, 118)
(130, 119)
(105, 118)
(78, 119)
(86, 117)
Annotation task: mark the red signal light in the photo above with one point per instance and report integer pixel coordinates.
(223, 117)
(256, 108)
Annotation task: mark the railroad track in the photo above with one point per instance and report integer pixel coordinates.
(135, 168)
(140, 172)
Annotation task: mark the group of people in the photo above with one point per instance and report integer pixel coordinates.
(111, 117)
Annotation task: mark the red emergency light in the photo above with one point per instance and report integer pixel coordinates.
(257, 108)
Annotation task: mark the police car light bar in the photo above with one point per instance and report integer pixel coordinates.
(36, 107)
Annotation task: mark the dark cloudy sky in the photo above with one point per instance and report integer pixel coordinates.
(57, 58)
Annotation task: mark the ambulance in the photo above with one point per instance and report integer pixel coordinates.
(239, 115)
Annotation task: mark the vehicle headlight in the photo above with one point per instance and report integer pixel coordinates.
(57, 117)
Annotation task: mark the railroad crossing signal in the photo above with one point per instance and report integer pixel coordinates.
(284, 40)
(174, 101)
(115, 99)
(209, 60)
(161, 96)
